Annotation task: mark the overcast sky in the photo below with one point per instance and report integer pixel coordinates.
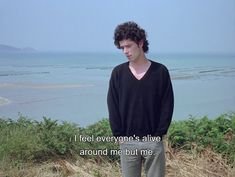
(173, 26)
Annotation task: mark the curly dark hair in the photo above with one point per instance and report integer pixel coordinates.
(130, 30)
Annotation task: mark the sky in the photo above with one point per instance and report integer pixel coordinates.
(172, 26)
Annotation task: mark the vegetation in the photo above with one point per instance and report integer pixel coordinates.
(29, 141)
(216, 134)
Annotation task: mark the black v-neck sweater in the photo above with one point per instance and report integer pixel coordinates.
(140, 107)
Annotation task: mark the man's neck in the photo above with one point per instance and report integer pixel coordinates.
(140, 62)
(139, 67)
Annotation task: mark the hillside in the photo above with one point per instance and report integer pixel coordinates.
(178, 164)
(194, 147)
(7, 48)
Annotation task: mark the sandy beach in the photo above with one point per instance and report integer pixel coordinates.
(42, 86)
(4, 101)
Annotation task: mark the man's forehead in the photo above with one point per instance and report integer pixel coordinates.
(126, 42)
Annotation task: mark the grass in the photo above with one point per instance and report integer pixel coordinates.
(194, 147)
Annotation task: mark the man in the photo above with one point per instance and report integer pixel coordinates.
(140, 102)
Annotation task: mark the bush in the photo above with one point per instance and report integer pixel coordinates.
(18, 140)
(217, 134)
(100, 129)
(26, 140)
(55, 137)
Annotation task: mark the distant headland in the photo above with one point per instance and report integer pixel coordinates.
(8, 48)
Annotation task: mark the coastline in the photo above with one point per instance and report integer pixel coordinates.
(77, 84)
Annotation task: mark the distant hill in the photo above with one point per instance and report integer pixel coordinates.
(7, 48)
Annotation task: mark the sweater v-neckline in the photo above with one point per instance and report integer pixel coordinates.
(145, 75)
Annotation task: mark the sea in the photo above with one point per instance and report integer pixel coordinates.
(72, 86)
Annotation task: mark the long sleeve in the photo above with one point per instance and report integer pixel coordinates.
(167, 105)
(113, 106)
(140, 107)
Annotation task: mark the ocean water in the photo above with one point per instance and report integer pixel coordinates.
(73, 86)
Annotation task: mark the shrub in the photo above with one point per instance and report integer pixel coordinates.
(18, 140)
(100, 129)
(26, 140)
(217, 134)
(56, 137)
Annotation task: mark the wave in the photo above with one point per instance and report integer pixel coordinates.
(20, 73)
(198, 73)
(101, 67)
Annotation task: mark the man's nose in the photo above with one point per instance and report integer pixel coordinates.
(125, 51)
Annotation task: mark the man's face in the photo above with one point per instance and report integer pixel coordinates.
(131, 49)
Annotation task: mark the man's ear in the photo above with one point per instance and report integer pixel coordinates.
(141, 43)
